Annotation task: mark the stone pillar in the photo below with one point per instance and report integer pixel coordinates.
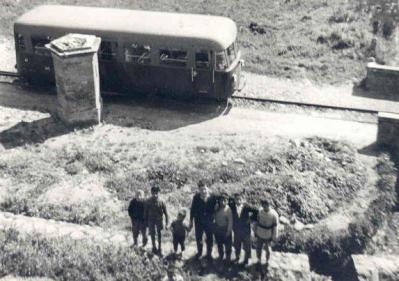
(77, 78)
(388, 131)
(383, 80)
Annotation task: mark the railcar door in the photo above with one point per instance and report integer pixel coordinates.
(202, 73)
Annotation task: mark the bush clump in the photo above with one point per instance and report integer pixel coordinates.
(67, 259)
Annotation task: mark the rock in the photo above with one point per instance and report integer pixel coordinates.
(239, 161)
(298, 226)
(224, 163)
(370, 268)
(289, 267)
(284, 220)
(258, 173)
(308, 226)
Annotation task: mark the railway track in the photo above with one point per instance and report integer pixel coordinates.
(265, 100)
(11, 74)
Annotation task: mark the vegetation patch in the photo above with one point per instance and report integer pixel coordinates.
(67, 259)
(330, 252)
(306, 178)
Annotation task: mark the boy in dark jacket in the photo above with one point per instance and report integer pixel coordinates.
(242, 217)
(179, 231)
(201, 215)
(155, 211)
(136, 212)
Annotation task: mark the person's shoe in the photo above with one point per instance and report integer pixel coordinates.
(154, 250)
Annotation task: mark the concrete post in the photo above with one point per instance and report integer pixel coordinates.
(383, 80)
(388, 131)
(77, 78)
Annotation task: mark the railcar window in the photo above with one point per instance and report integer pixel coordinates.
(20, 41)
(39, 43)
(174, 57)
(202, 59)
(137, 53)
(221, 61)
(108, 50)
(231, 53)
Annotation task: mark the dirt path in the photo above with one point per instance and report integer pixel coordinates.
(345, 214)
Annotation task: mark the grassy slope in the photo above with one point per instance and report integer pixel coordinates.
(309, 178)
(325, 41)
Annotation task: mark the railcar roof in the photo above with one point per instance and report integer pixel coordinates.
(215, 30)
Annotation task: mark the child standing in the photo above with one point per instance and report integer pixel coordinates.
(155, 212)
(179, 231)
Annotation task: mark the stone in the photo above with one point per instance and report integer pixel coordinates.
(288, 266)
(298, 226)
(77, 78)
(376, 268)
(283, 220)
(239, 161)
(308, 226)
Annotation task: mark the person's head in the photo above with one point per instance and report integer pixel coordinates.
(265, 204)
(181, 215)
(238, 198)
(223, 199)
(140, 194)
(203, 189)
(155, 192)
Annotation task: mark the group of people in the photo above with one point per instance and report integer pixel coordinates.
(228, 220)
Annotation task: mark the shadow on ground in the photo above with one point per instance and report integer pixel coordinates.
(161, 114)
(231, 271)
(33, 132)
(370, 150)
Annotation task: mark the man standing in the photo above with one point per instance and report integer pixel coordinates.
(265, 229)
(136, 212)
(155, 211)
(223, 227)
(242, 215)
(201, 213)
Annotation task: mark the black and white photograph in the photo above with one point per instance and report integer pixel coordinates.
(199, 140)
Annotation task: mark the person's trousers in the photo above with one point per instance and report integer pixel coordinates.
(242, 240)
(178, 240)
(200, 230)
(139, 227)
(155, 228)
(224, 242)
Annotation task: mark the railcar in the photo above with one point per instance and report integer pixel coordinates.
(141, 51)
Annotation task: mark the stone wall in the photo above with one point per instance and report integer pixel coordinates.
(384, 80)
(388, 132)
(376, 268)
